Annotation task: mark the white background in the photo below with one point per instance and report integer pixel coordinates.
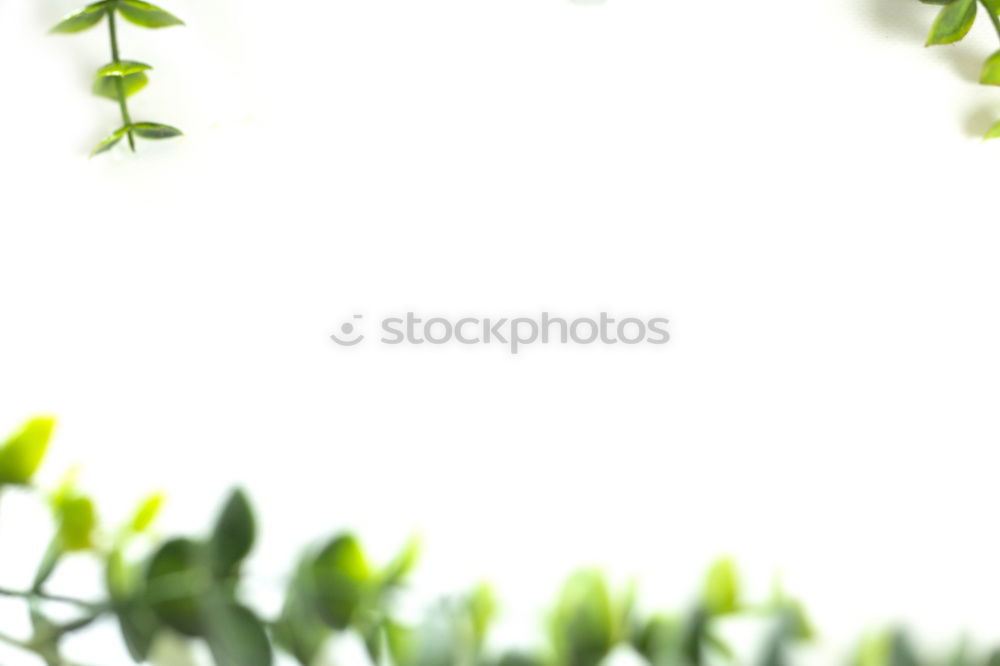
(798, 186)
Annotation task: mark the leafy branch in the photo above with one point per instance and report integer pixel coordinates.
(190, 589)
(954, 22)
(120, 79)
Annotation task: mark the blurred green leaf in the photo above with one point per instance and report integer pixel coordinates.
(299, 631)
(22, 454)
(77, 519)
(953, 23)
(993, 132)
(107, 86)
(342, 578)
(146, 513)
(233, 536)
(147, 15)
(582, 625)
(722, 588)
(85, 18)
(402, 565)
(235, 636)
(482, 607)
(175, 581)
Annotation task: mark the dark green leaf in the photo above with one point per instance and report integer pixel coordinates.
(158, 131)
(110, 142)
(175, 581)
(233, 535)
(953, 23)
(122, 68)
(146, 14)
(235, 636)
(87, 17)
(139, 627)
(342, 579)
(108, 86)
(22, 454)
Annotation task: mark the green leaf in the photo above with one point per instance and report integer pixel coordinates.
(146, 513)
(22, 454)
(482, 607)
(953, 23)
(139, 627)
(122, 68)
(155, 131)
(234, 532)
(77, 522)
(342, 579)
(993, 132)
(235, 636)
(146, 14)
(299, 630)
(400, 567)
(87, 17)
(582, 625)
(722, 589)
(175, 581)
(107, 86)
(109, 142)
(990, 75)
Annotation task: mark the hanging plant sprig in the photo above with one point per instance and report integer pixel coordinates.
(120, 79)
(954, 22)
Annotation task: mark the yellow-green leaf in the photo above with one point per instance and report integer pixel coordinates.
(107, 86)
(722, 588)
(109, 142)
(953, 23)
(23, 453)
(87, 17)
(77, 522)
(122, 68)
(993, 132)
(147, 15)
(146, 513)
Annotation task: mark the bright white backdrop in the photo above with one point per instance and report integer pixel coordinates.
(797, 185)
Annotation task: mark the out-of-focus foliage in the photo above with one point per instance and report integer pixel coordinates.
(166, 593)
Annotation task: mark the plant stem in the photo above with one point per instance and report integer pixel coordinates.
(119, 81)
(57, 598)
(993, 17)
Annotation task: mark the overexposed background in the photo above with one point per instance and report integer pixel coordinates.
(799, 186)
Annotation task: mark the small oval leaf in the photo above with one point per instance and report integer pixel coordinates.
(108, 86)
(159, 131)
(87, 17)
(147, 15)
(122, 68)
(109, 142)
(953, 23)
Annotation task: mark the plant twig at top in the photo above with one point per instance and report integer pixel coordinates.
(120, 79)
(954, 22)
